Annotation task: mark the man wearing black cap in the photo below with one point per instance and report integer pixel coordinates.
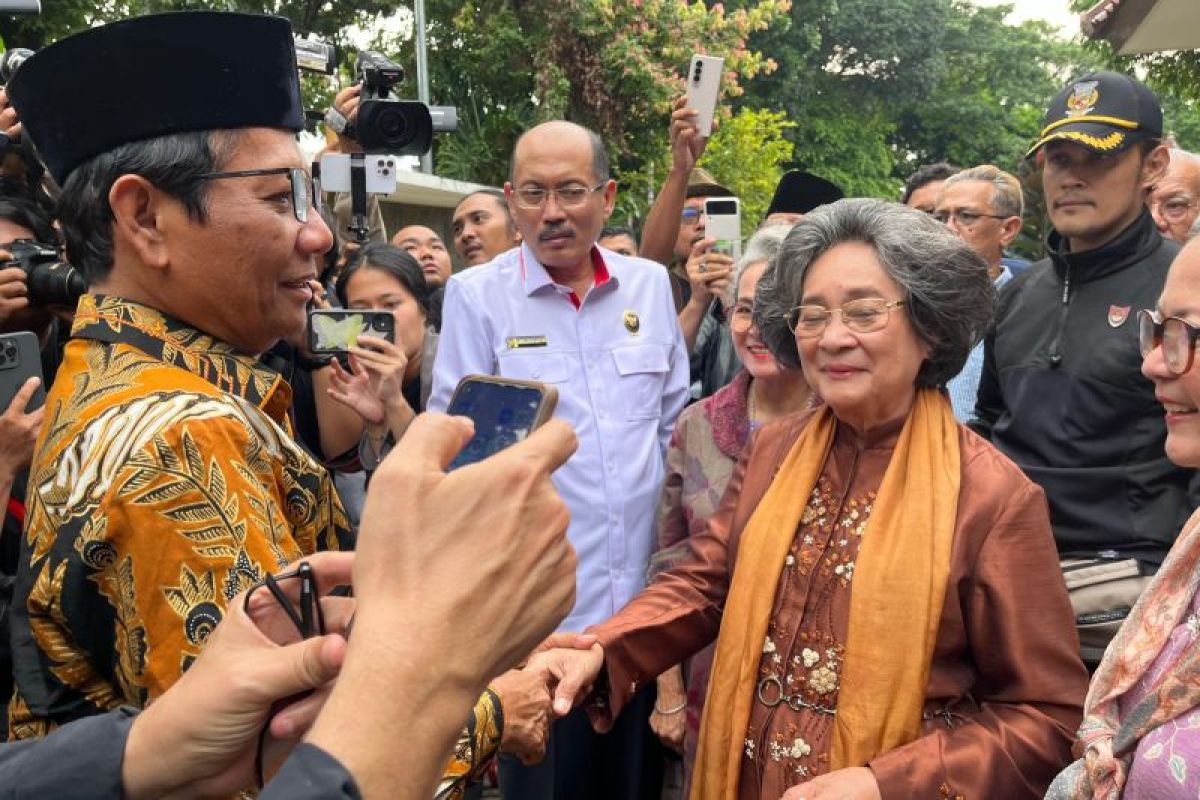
(799, 192)
(165, 480)
(1061, 392)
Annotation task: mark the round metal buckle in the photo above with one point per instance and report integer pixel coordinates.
(763, 684)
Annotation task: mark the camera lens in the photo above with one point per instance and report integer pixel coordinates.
(381, 324)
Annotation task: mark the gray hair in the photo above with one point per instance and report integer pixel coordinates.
(763, 246)
(1007, 198)
(950, 298)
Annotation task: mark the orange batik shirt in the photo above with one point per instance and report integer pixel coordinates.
(165, 481)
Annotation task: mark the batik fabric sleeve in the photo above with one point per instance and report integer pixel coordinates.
(477, 745)
(164, 482)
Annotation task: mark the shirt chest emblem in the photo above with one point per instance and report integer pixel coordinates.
(1117, 315)
(632, 323)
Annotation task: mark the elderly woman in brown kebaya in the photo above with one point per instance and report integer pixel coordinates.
(891, 615)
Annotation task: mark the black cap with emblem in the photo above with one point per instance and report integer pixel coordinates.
(163, 74)
(1104, 112)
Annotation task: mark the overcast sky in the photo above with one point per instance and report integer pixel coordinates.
(1053, 11)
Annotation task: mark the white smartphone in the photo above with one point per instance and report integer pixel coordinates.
(703, 86)
(725, 225)
(380, 171)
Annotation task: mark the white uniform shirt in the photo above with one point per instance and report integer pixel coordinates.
(621, 370)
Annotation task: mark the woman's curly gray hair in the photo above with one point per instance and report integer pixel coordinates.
(950, 297)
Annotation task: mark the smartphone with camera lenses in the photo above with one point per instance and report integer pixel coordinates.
(20, 360)
(725, 225)
(504, 410)
(703, 86)
(336, 330)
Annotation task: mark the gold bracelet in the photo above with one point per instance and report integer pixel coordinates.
(669, 711)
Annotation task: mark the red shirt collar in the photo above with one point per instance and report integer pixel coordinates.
(600, 269)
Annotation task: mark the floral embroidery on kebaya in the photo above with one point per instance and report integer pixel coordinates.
(800, 669)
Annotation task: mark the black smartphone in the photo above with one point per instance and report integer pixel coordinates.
(336, 330)
(504, 410)
(20, 360)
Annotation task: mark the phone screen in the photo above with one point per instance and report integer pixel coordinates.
(337, 331)
(503, 414)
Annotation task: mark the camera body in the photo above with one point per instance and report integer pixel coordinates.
(377, 74)
(51, 281)
(385, 124)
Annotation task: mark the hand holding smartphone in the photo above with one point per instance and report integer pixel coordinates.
(703, 87)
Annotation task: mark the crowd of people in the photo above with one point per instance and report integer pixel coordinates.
(869, 509)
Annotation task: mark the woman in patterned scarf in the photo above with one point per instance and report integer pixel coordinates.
(1140, 737)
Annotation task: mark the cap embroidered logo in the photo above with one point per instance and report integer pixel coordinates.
(1083, 99)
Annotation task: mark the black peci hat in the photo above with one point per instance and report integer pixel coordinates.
(799, 192)
(156, 75)
(1103, 111)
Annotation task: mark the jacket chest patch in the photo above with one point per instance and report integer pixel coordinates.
(1117, 315)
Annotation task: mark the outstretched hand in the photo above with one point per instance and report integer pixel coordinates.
(571, 663)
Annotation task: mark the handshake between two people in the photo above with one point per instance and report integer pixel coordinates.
(456, 577)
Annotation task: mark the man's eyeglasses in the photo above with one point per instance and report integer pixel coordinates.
(532, 197)
(1175, 208)
(304, 194)
(966, 219)
(861, 316)
(1176, 336)
(690, 216)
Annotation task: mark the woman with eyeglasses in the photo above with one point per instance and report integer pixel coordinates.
(882, 584)
(1140, 737)
(709, 436)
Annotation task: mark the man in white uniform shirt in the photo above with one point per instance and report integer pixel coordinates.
(601, 327)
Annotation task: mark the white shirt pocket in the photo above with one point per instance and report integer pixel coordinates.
(643, 373)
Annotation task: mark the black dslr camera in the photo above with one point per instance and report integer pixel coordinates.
(51, 281)
(384, 124)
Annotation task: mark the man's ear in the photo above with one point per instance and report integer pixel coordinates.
(1009, 230)
(1154, 166)
(138, 208)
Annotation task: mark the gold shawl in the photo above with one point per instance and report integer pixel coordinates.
(895, 605)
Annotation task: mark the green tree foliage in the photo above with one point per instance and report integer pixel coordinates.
(614, 66)
(747, 154)
(862, 91)
(877, 89)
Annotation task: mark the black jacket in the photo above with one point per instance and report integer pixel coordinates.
(1063, 396)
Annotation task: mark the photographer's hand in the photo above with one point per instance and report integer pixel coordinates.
(687, 145)
(14, 292)
(374, 388)
(18, 432)
(709, 272)
(346, 103)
